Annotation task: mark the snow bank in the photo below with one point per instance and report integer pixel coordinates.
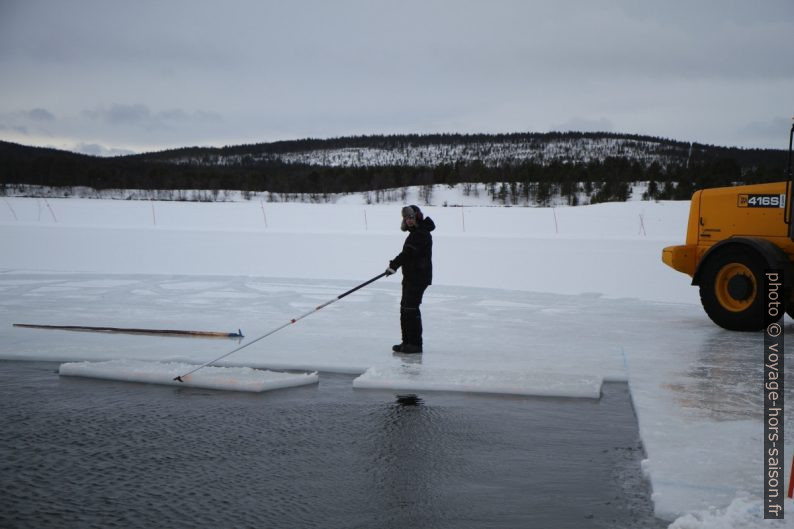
(637, 219)
(223, 378)
(743, 513)
(422, 378)
(530, 249)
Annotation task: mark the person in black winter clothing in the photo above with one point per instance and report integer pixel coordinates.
(416, 260)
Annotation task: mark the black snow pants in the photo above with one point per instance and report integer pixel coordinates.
(410, 316)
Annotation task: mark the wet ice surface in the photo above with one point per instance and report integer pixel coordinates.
(696, 388)
(93, 453)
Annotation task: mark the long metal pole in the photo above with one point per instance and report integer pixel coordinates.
(294, 320)
(122, 330)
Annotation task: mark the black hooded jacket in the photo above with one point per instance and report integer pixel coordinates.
(417, 255)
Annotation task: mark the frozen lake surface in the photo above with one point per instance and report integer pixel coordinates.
(689, 387)
(94, 453)
(534, 300)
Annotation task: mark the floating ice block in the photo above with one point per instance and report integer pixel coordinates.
(223, 378)
(418, 377)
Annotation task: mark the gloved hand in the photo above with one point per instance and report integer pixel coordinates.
(390, 271)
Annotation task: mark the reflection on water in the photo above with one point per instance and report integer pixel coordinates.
(408, 359)
(90, 453)
(409, 452)
(409, 400)
(725, 380)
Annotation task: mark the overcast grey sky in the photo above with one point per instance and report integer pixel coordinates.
(104, 76)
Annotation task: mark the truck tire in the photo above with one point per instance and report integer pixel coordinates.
(731, 289)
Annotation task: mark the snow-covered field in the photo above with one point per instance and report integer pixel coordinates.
(539, 298)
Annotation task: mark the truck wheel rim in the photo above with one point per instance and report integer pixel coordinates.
(723, 279)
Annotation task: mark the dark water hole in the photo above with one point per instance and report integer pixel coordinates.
(89, 453)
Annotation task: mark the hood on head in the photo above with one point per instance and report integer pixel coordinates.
(413, 212)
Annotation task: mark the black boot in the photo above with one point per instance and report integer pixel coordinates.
(407, 349)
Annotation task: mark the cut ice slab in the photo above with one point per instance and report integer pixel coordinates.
(223, 378)
(542, 384)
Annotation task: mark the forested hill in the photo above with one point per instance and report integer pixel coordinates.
(432, 150)
(365, 163)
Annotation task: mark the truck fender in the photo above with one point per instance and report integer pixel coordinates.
(771, 253)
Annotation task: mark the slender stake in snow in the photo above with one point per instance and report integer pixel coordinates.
(14, 213)
(294, 320)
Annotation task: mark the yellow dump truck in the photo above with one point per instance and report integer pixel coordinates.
(734, 235)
